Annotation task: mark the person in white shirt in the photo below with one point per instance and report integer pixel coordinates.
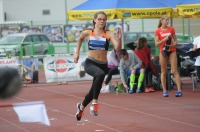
(113, 64)
(197, 62)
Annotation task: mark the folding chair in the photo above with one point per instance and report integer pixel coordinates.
(194, 78)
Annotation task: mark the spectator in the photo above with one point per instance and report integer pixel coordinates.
(33, 71)
(113, 64)
(129, 66)
(165, 39)
(197, 62)
(143, 52)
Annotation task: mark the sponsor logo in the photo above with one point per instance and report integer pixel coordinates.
(7, 61)
(165, 34)
(150, 13)
(97, 38)
(90, 15)
(128, 14)
(61, 66)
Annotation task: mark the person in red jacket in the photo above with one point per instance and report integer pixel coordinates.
(143, 52)
(165, 39)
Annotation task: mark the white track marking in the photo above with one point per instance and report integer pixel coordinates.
(158, 100)
(180, 122)
(74, 117)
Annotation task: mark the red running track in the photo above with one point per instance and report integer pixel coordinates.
(144, 112)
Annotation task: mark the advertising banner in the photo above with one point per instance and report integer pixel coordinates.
(190, 10)
(72, 32)
(56, 34)
(27, 68)
(89, 14)
(13, 63)
(9, 30)
(32, 29)
(30, 69)
(9, 63)
(63, 69)
(146, 13)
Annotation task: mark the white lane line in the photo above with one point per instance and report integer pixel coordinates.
(13, 124)
(135, 96)
(158, 100)
(128, 109)
(74, 116)
(185, 93)
(160, 117)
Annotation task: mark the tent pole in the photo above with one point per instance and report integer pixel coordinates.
(171, 21)
(183, 28)
(122, 33)
(189, 26)
(31, 22)
(142, 25)
(66, 15)
(66, 22)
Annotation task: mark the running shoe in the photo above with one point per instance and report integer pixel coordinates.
(151, 89)
(138, 90)
(130, 91)
(165, 94)
(147, 90)
(178, 94)
(127, 90)
(79, 112)
(94, 109)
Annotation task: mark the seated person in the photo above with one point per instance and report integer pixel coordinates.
(26, 76)
(129, 66)
(197, 62)
(143, 52)
(113, 64)
(33, 71)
